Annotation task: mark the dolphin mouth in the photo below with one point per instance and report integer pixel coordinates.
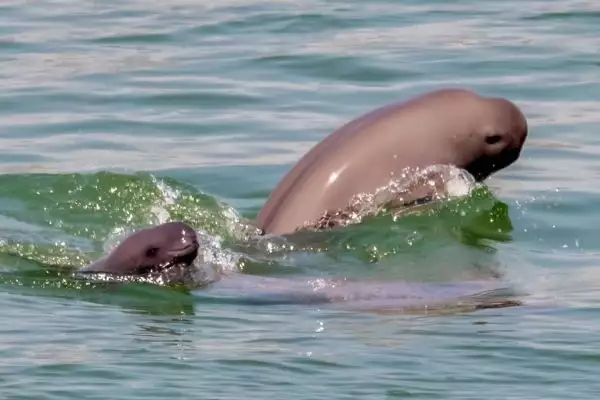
(182, 258)
(185, 250)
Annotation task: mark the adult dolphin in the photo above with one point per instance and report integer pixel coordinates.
(449, 126)
(168, 251)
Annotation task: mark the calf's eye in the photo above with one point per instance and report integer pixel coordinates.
(152, 252)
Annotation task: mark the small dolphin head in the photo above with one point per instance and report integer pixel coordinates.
(165, 250)
(499, 138)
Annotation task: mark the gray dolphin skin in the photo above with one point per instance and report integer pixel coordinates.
(361, 295)
(158, 250)
(449, 126)
(149, 252)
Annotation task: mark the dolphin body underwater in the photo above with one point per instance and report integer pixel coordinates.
(451, 126)
(167, 253)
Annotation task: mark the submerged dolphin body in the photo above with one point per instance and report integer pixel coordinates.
(360, 295)
(173, 246)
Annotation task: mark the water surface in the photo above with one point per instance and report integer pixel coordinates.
(115, 115)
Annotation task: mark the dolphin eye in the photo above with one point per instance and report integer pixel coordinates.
(152, 252)
(493, 139)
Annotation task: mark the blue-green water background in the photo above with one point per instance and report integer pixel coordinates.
(192, 102)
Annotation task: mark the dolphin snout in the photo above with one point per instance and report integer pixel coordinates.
(187, 244)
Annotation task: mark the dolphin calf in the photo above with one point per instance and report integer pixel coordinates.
(169, 250)
(166, 252)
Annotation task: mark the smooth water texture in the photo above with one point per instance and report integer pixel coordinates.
(117, 115)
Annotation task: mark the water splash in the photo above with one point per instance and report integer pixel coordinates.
(414, 187)
(230, 243)
(169, 197)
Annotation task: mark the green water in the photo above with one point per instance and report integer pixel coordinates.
(115, 115)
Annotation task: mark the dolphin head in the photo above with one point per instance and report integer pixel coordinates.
(498, 138)
(165, 250)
